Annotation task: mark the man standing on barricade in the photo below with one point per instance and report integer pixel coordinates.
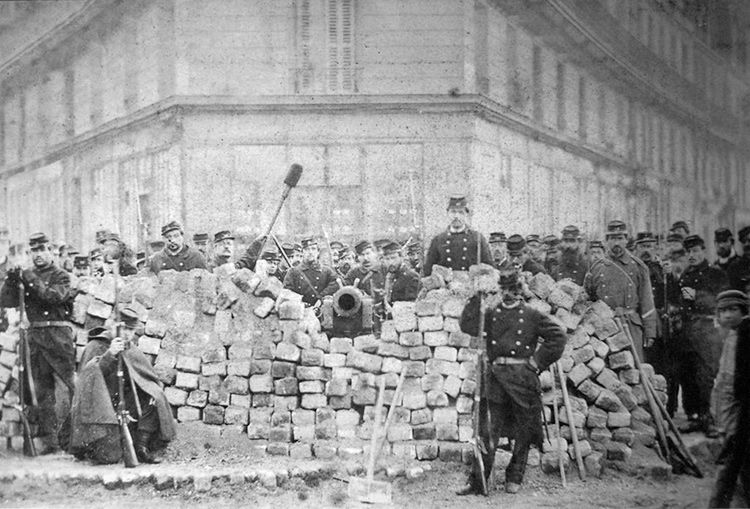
(700, 347)
(176, 255)
(48, 300)
(520, 343)
(310, 279)
(623, 283)
(456, 247)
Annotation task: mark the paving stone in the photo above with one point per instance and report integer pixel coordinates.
(420, 353)
(596, 365)
(261, 383)
(443, 367)
(624, 435)
(213, 414)
(600, 347)
(609, 401)
(188, 414)
(287, 352)
(618, 342)
(608, 379)
(597, 418)
(393, 350)
(625, 393)
(630, 376)
(617, 451)
(427, 308)
(312, 357)
(578, 374)
(286, 386)
(176, 397)
(236, 384)
(590, 390)
(311, 387)
(188, 364)
(618, 419)
(410, 338)
(260, 366)
(197, 399)
(283, 369)
(427, 451)
(414, 368)
(313, 401)
(621, 360)
(364, 361)
(594, 464)
(324, 450)
(236, 415)
(430, 323)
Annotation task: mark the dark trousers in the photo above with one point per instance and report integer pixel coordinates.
(662, 357)
(734, 470)
(45, 380)
(696, 377)
(516, 469)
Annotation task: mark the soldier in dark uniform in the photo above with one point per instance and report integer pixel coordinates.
(96, 263)
(551, 253)
(223, 249)
(346, 260)
(414, 255)
(81, 266)
(401, 282)
(520, 342)
(536, 251)
(95, 432)
(645, 250)
(738, 271)
(200, 243)
(572, 264)
(498, 247)
(597, 251)
(673, 242)
(4, 266)
(369, 274)
(456, 248)
(700, 347)
(680, 228)
(115, 249)
(154, 246)
(289, 250)
(310, 279)
(518, 257)
(176, 255)
(724, 242)
(48, 298)
(623, 283)
(271, 259)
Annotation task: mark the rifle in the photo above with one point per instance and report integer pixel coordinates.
(25, 375)
(123, 416)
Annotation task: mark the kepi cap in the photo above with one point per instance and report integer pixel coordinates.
(38, 239)
(644, 238)
(458, 202)
(516, 243)
(723, 234)
(730, 298)
(222, 235)
(570, 232)
(692, 241)
(170, 227)
(497, 237)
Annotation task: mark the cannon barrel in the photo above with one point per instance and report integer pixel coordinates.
(347, 301)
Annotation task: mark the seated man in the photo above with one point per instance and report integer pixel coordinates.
(95, 432)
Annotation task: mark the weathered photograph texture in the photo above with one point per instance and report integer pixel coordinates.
(394, 253)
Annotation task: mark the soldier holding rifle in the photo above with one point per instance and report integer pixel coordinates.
(48, 295)
(95, 426)
(311, 279)
(516, 355)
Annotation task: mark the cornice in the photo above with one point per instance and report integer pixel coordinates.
(177, 109)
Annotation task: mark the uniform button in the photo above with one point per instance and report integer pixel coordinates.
(447, 241)
(448, 259)
(513, 352)
(518, 342)
(527, 347)
(520, 331)
(520, 320)
(520, 311)
(465, 248)
(494, 319)
(494, 342)
(463, 258)
(46, 313)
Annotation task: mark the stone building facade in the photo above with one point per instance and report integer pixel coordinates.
(126, 114)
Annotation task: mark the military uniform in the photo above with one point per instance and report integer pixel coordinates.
(323, 280)
(48, 298)
(738, 273)
(624, 284)
(456, 250)
(571, 266)
(185, 259)
(513, 335)
(371, 280)
(404, 285)
(700, 347)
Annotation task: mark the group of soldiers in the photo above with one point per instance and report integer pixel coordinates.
(664, 289)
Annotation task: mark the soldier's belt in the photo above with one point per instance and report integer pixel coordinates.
(49, 323)
(509, 361)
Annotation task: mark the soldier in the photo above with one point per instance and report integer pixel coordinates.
(81, 266)
(310, 279)
(516, 356)
(335, 246)
(96, 263)
(680, 228)
(369, 274)
(4, 266)
(401, 282)
(223, 248)
(724, 242)
(65, 257)
(95, 431)
(346, 260)
(200, 243)
(414, 255)
(623, 283)
(48, 295)
(738, 271)
(154, 246)
(456, 247)
(551, 253)
(572, 264)
(674, 242)
(699, 348)
(645, 250)
(289, 250)
(498, 247)
(673, 266)
(518, 257)
(271, 259)
(177, 255)
(596, 251)
(534, 244)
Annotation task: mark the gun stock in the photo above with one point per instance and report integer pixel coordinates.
(24, 375)
(123, 417)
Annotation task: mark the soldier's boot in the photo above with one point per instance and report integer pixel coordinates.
(142, 439)
(517, 467)
(708, 427)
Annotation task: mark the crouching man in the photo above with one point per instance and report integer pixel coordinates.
(520, 342)
(95, 432)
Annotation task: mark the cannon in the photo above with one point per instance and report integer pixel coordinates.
(348, 313)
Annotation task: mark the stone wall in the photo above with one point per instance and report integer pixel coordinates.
(238, 351)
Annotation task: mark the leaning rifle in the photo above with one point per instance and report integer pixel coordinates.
(123, 416)
(25, 375)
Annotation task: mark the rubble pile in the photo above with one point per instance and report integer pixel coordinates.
(234, 349)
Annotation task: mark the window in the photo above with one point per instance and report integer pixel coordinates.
(340, 46)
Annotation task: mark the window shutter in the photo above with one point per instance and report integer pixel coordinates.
(340, 27)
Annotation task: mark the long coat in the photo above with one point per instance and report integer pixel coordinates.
(185, 259)
(516, 332)
(571, 266)
(323, 280)
(93, 416)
